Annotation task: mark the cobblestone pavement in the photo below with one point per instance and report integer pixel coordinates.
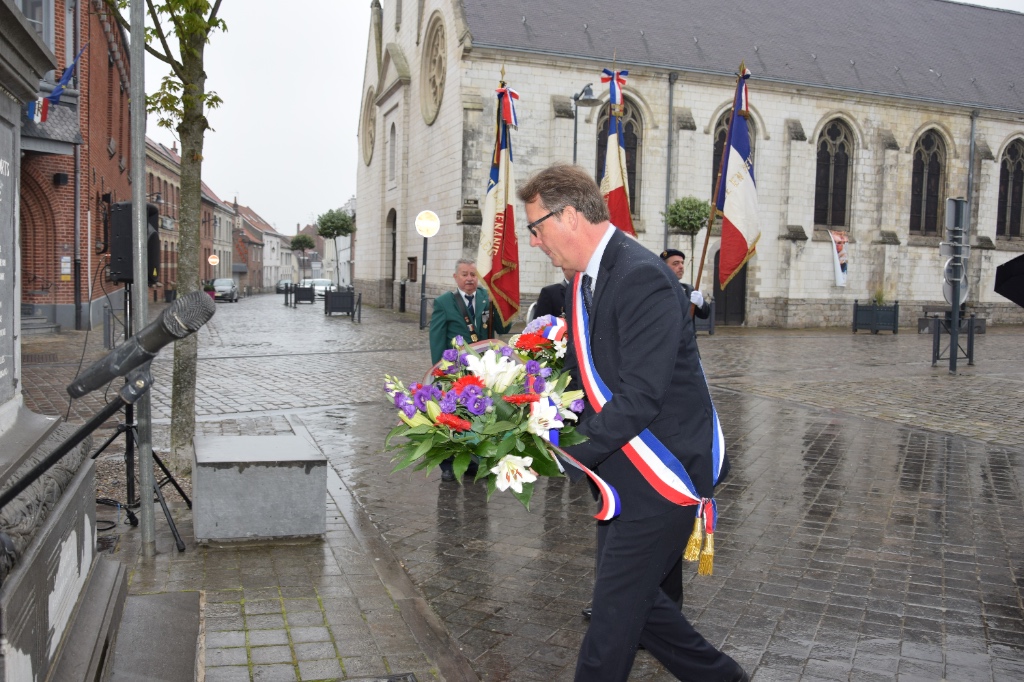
(872, 528)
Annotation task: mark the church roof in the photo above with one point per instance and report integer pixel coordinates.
(925, 50)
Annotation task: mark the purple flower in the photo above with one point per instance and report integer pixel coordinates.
(459, 341)
(463, 359)
(478, 404)
(506, 351)
(424, 394)
(544, 372)
(409, 409)
(469, 393)
(539, 323)
(400, 400)
(532, 367)
(576, 406)
(449, 401)
(538, 385)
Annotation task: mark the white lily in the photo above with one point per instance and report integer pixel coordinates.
(543, 417)
(495, 370)
(560, 348)
(563, 405)
(512, 472)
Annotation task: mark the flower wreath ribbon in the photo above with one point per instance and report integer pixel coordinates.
(648, 454)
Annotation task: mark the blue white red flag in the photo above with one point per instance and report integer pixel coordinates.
(498, 252)
(65, 79)
(737, 192)
(38, 110)
(614, 184)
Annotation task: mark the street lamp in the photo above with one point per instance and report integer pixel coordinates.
(583, 98)
(427, 224)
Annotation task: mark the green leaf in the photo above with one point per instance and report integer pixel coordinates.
(424, 447)
(524, 496)
(460, 465)
(520, 445)
(505, 446)
(397, 431)
(567, 438)
(498, 427)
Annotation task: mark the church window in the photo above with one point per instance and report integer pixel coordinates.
(632, 134)
(832, 177)
(391, 153)
(721, 132)
(1011, 190)
(434, 70)
(927, 184)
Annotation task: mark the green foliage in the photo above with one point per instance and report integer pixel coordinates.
(335, 223)
(688, 215)
(302, 242)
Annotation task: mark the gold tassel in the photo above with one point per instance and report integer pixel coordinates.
(707, 557)
(692, 552)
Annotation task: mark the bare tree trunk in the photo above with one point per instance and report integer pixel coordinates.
(191, 131)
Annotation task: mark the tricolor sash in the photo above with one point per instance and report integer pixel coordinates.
(648, 454)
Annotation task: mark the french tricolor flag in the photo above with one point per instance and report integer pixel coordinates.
(737, 193)
(38, 110)
(613, 184)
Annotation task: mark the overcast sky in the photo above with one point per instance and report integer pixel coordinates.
(290, 74)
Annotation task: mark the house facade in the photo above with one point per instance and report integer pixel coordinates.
(163, 187)
(865, 115)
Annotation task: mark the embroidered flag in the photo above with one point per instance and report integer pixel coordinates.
(839, 255)
(614, 185)
(737, 193)
(38, 110)
(498, 253)
(65, 79)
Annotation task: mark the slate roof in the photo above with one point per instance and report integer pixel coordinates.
(926, 50)
(61, 125)
(253, 218)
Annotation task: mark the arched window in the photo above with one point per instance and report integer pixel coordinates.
(928, 184)
(632, 133)
(391, 153)
(832, 177)
(1011, 190)
(721, 132)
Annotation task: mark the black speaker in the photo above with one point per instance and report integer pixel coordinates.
(121, 242)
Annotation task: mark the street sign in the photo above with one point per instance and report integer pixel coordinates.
(948, 250)
(947, 283)
(427, 223)
(213, 259)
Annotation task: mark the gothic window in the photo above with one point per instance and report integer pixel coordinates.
(927, 184)
(632, 133)
(1011, 190)
(369, 126)
(433, 70)
(721, 132)
(391, 153)
(832, 177)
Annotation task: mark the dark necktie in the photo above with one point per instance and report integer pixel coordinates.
(588, 294)
(469, 308)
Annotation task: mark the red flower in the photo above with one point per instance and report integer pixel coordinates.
(468, 380)
(521, 398)
(531, 342)
(438, 372)
(454, 423)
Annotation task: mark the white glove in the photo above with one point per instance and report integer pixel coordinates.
(697, 298)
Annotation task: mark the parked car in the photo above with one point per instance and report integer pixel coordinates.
(226, 289)
(320, 286)
(281, 283)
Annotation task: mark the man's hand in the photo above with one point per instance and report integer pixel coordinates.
(697, 298)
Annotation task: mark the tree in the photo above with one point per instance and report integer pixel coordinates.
(177, 35)
(331, 225)
(688, 215)
(303, 243)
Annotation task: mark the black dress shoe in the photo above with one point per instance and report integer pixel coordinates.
(587, 612)
(447, 476)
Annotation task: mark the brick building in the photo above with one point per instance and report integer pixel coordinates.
(75, 165)
(864, 114)
(247, 260)
(163, 185)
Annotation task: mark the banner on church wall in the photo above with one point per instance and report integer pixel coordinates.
(840, 256)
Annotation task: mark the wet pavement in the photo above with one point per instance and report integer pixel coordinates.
(872, 528)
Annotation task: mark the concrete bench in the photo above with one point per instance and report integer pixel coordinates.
(254, 487)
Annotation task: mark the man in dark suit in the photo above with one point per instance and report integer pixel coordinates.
(644, 349)
(462, 312)
(676, 261)
(552, 297)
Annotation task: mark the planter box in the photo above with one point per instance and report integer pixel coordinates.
(876, 317)
(305, 295)
(339, 302)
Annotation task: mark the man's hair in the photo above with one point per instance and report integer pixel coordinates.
(562, 185)
(464, 261)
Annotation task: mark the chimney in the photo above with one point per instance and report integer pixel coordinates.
(174, 146)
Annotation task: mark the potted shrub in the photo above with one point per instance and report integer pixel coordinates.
(877, 316)
(688, 215)
(208, 288)
(170, 292)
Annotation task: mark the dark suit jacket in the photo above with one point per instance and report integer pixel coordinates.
(703, 312)
(551, 300)
(645, 350)
(447, 322)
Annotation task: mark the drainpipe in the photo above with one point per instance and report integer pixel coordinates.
(970, 168)
(78, 176)
(672, 77)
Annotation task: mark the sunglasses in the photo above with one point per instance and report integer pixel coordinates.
(532, 227)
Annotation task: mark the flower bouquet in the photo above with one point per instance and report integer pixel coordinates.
(501, 404)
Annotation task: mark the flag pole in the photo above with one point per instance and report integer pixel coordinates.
(718, 183)
(497, 131)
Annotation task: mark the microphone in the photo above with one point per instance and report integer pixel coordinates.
(183, 317)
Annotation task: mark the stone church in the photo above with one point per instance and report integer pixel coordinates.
(866, 115)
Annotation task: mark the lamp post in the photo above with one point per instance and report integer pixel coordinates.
(583, 98)
(427, 224)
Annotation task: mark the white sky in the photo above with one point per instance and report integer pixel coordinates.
(290, 74)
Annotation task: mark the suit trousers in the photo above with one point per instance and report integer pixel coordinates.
(629, 606)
